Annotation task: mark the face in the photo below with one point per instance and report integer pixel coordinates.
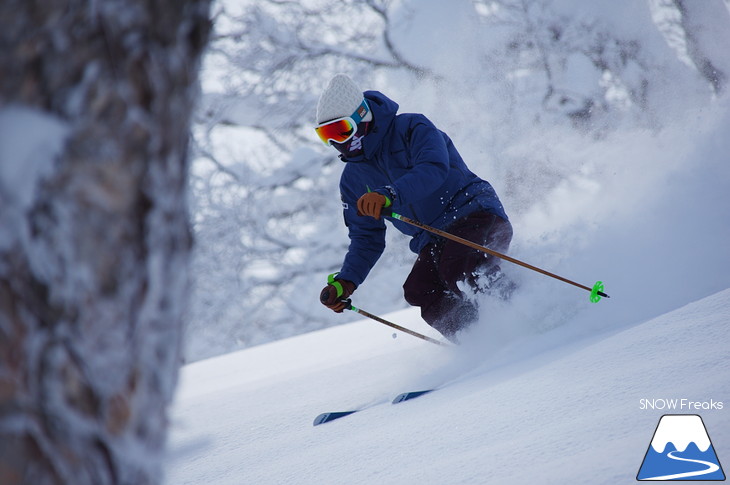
(353, 146)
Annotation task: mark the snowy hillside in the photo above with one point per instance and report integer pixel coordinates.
(543, 408)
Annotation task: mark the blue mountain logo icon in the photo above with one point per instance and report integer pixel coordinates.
(680, 450)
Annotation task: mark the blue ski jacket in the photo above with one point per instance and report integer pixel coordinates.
(407, 159)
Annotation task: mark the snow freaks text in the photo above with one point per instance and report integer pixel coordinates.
(679, 404)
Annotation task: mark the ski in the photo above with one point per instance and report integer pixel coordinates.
(406, 396)
(327, 417)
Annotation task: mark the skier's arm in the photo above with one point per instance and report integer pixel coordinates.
(367, 242)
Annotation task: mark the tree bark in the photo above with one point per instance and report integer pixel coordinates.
(95, 103)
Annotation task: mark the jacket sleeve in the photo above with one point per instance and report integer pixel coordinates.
(429, 157)
(367, 242)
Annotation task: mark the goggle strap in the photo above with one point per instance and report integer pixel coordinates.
(361, 111)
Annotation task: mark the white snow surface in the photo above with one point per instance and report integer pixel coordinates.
(546, 407)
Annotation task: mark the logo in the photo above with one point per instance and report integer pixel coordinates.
(680, 450)
(356, 143)
(675, 404)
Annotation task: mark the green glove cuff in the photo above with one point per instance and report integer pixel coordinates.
(338, 286)
(388, 202)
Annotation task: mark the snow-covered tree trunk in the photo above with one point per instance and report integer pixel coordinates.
(705, 25)
(95, 102)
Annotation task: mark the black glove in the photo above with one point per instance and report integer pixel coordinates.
(333, 295)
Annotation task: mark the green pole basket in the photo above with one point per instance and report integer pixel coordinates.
(597, 292)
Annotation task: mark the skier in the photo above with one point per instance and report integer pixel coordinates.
(403, 163)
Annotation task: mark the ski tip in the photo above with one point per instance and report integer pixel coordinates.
(327, 417)
(410, 395)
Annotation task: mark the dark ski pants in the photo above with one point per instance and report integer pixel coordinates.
(432, 283)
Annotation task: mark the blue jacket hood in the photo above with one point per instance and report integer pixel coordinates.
(384, 113)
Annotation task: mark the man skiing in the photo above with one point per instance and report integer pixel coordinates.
(403, 163)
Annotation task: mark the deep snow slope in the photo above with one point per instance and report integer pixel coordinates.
(536, 407)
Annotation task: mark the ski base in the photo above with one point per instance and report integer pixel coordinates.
(406, 396)
(327, 417)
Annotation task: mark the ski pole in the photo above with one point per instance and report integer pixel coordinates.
(353, 308)
(596, 291)
(349, 306)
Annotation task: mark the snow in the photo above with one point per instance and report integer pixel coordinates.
(544, 408)
(29, 142)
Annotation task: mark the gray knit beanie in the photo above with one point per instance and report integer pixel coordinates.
(341, 98)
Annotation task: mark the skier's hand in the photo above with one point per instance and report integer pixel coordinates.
(330, 298)
(371, 204)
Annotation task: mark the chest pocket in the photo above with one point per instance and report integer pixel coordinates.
(400, 157)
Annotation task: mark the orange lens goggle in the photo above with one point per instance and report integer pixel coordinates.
(342, 129)
(338, 131)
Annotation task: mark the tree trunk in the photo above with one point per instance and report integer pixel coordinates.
(707, 29)
(95, 102)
